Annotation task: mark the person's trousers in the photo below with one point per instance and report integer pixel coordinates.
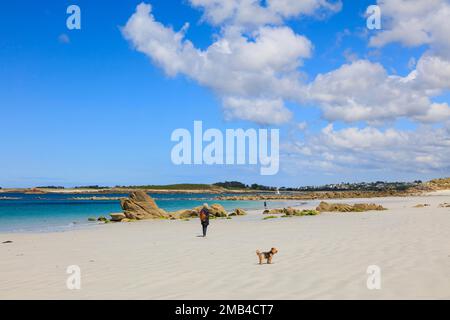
(205, 227)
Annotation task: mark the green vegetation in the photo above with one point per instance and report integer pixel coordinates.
(50, 187)
(270, 217)
(231, 185)
(262, 188)
(183, 186)
(91, 187)
(236, 185)
(239, 186)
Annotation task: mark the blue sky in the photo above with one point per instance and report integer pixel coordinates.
(93, 110)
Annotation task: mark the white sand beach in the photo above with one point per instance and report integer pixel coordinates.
(320, 257)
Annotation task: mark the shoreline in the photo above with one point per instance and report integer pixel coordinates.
(75, 191)
(320, 257)
(346, 191)
(238, 195)
(309, 204)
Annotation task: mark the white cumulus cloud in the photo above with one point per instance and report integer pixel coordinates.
(241, 69)
(414, 23)
(249, 14)
(424, 150)
(257, 110)
(254, 65)
(364, 91)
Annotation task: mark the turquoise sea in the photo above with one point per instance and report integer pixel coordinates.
(62, 212)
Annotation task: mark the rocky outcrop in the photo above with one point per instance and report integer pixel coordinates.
(319, 195)
(117, 217)
(185, 214)
(238, 212)
(343, 207)
(292, 212)
(218, 211)
(299, 213)
(215, 211)
(287, 211)
(140, 206)
(421, 205)
(35, 191)
(273, 211)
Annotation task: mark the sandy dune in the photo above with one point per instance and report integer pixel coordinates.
(319, 257)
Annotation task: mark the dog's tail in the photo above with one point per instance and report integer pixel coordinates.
(258, 252)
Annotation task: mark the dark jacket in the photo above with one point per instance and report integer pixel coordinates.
(206, 213)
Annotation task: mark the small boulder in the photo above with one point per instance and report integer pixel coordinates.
(291, 211)
(275, 211)
(184, 214)
(360, 207)
(238, 212)
(117, 217)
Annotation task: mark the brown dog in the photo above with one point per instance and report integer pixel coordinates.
(266, 255)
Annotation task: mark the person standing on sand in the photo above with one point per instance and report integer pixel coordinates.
(204, 218)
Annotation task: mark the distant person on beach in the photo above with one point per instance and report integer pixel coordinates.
(204, 218)
(265, 205)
